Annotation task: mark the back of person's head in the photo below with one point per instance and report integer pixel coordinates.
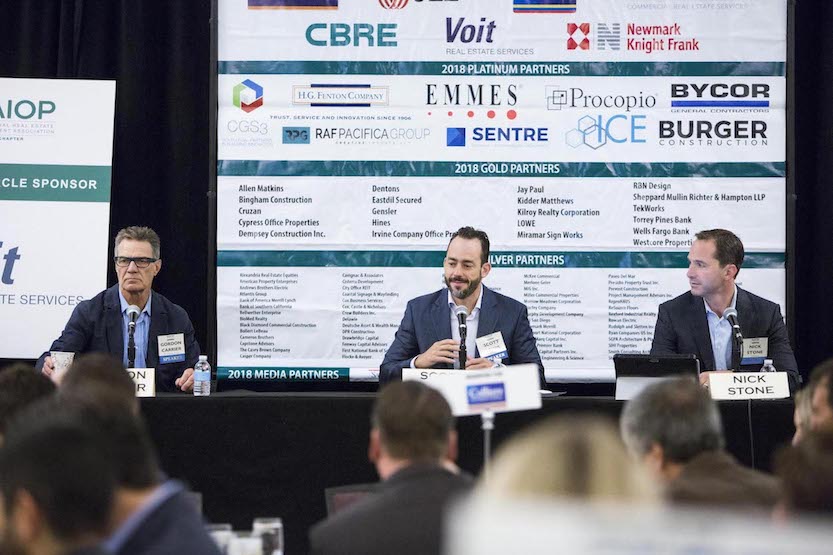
(100, 378)
(414, 421)
(806, 473)
(56, 477)
(577, 457)
(821, 386)
(678, 415)
(802, 413)
(20, 386)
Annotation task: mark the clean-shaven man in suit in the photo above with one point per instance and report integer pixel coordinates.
(428, 336)
(694, 322)
(100, 324)
(413, 445)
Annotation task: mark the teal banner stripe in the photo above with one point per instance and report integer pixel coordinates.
(434, 259)
(403, 168)
(281, 374)
(525, 69)
(55, 183)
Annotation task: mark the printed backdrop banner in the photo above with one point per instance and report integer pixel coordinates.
(590, 139)
(56, 139)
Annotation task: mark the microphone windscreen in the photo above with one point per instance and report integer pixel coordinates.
(461, 310)
(133, 310)
(730, 313)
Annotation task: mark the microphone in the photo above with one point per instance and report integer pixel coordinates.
(132, 315)
(462, 312)
(732, 316)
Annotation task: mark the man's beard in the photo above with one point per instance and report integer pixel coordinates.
(462, 293)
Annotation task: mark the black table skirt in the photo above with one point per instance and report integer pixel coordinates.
(272, 454)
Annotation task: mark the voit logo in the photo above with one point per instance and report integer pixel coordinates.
(248, 96)
(720, 97)
(544, 6)
(340, 95)
(497, 136)
(293, 4)
(597, 131)
(608, 36)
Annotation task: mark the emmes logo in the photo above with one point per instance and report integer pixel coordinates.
(458, 94)
(352, 34)
(248, 96)
(8, 267)
(26, 109)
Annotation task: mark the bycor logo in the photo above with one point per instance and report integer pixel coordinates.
(719, 95)
(352, 34)
(544, 6)
(340, 95)
(248, 96)
(293, 4)
(486, 395)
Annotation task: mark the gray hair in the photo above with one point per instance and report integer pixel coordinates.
(678, 415)
(139, 233)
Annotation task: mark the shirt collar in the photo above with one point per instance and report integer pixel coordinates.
(451, 302)
(124, 304)
(161, 494)
(731, 305)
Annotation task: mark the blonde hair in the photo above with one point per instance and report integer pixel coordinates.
(579, 457)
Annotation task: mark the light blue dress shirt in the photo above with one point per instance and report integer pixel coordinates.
(472, 321)
(720, 331)
(141, 334)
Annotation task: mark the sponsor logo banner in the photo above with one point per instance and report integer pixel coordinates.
(293, 4)
(340, 95)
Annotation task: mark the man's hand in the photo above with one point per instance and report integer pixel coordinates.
(443, 351)
(48, 367)
(186, 381)
(704, 376)
(478, 363)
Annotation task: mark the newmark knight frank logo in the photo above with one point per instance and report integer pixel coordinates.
(248, 96)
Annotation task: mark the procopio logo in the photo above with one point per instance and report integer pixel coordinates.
(248, 96)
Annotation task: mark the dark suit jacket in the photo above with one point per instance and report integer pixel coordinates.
(427, 320)
(682, 328)
(174, 528)
(405, 516)
(96, 325)
(715, 478)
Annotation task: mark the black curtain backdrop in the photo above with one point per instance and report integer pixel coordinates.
(158, 51)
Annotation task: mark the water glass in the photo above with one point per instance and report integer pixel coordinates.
(270, 529)
(221, 534)
(61, 361)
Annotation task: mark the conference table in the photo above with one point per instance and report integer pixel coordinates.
(272, 454)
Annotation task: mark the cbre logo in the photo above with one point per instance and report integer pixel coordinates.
(248, 96)
(393, 4)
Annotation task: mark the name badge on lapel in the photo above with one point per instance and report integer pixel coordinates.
(755, 350)
(171, 348)
(492, 347)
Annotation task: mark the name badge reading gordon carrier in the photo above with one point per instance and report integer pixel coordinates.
(749, 385)
(492, 347)
(171, 348)
(145, 381)
(755, 350)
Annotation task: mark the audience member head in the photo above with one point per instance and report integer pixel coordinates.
(20, 386)
(821, 404)
(802, 413)
(100, 379)
(806, 473)
(577, 457)
(56, 482)
(411, 423)
(669, 423)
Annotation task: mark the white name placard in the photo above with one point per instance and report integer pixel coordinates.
(145, 380)
(749, 385)
(503, 389)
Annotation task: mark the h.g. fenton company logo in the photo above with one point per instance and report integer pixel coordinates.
(248, 96)
(340, 95)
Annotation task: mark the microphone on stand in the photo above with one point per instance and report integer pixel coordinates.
(462, 313)
(731, 316)
(133, 313)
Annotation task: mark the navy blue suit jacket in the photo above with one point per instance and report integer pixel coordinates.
(96, 325)
(427, 320)
(683, 328)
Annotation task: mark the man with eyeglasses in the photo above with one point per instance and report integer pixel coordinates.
(100, 324)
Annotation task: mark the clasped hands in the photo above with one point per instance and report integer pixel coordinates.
(446, 351)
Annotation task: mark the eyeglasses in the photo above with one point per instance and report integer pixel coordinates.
(141, 261)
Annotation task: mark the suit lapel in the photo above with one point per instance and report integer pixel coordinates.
(114, 323)
(700, 332)
(487, 323)
(747, 316)
(158, 325)
(440, 316)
